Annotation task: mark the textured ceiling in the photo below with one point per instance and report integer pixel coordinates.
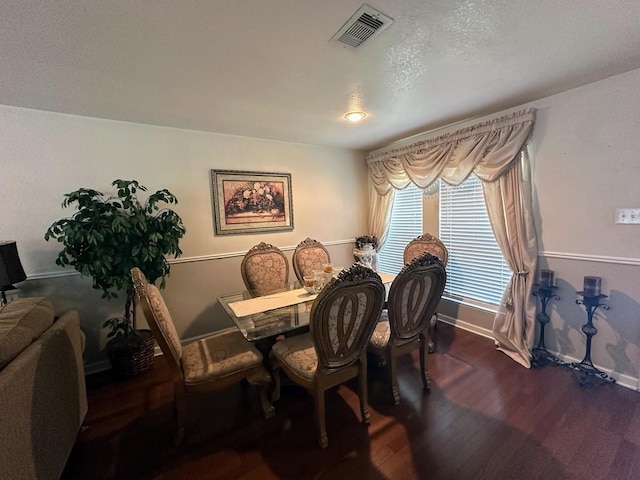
(266, 69)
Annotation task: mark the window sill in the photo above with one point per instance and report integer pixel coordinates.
(485, 307)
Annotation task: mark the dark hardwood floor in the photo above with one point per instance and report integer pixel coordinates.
(486, 417)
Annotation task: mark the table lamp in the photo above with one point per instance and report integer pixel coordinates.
(11, 270)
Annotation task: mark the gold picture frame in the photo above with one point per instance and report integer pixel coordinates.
(251, 202)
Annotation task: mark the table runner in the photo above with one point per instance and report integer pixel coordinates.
(271, 302)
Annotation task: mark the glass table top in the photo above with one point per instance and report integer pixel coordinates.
(271, 323)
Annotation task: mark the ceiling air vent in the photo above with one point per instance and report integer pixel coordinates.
(363, 25)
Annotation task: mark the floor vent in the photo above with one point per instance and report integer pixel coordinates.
(364, 24)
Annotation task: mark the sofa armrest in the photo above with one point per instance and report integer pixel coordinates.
(43, 400)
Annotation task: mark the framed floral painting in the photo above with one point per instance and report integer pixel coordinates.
(251, 202)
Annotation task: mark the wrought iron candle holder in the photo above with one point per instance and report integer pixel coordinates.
(588, 374)
(541, 356)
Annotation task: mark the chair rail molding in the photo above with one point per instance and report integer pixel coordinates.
(201, 258)
(591, 258)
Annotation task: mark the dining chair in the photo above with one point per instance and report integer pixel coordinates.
(264, 269)
(426, 243)
(342, 319)
(308, 256)
(416, 247)
(413, 298)
(211, 363)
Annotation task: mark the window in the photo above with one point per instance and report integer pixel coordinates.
(406, 224)
(477, 271)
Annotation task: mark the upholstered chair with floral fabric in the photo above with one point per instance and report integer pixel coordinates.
(308, 256)
(264, 269)
(413, 297)
(426, 243)
(211, 363)
(416, 247)
(342, 320)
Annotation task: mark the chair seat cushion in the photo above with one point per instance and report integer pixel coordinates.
(298, 354)
(217, 356)
(382, 333)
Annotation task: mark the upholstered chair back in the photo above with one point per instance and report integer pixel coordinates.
(308, 256)
(264, 269)
(344, 315)
(414, 296)
(426, 243)
(158, 317)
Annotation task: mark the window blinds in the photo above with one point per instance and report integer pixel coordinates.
(406, 224)
(477, 270)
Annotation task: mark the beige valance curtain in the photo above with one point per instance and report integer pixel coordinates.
(491, 150)
(487, 149)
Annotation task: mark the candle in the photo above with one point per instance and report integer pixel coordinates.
(592, 286)
(546, 278)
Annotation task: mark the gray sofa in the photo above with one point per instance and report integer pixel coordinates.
(43, 398)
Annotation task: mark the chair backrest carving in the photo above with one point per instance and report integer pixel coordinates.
(264, 269)
(344, 315)
(308, 256)
(414, 296)
(159, 319)
(426, 243)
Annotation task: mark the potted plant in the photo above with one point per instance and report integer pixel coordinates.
(104, 239)
(365, 251)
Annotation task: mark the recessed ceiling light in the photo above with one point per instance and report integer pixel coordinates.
(355, 116)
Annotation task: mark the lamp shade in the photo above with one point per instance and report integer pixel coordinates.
(11, 270)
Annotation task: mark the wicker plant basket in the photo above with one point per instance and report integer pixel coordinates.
(127, 362)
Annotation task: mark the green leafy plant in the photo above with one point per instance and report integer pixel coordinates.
(123, 332)
(109, 235)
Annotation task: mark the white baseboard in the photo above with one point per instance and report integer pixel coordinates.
(103, 365)
(96, 367)
(621, 379)
(469, 327)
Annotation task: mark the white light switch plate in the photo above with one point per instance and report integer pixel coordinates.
(628, 215)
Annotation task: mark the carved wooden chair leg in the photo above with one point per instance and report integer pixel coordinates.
(267, 408)
(179, 403)
(363, 390)
(393, 379)
(321, 424)
(426, 382)
(433, 325)
(275, 374)
(263, 381)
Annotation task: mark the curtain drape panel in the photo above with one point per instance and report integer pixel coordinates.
(491, 151)
(508, 201)
(380, 211)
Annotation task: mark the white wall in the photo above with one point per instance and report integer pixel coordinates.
(45, 155)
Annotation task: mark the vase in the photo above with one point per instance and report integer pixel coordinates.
(366, 256)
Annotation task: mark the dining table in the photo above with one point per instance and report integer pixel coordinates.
(261, 319)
